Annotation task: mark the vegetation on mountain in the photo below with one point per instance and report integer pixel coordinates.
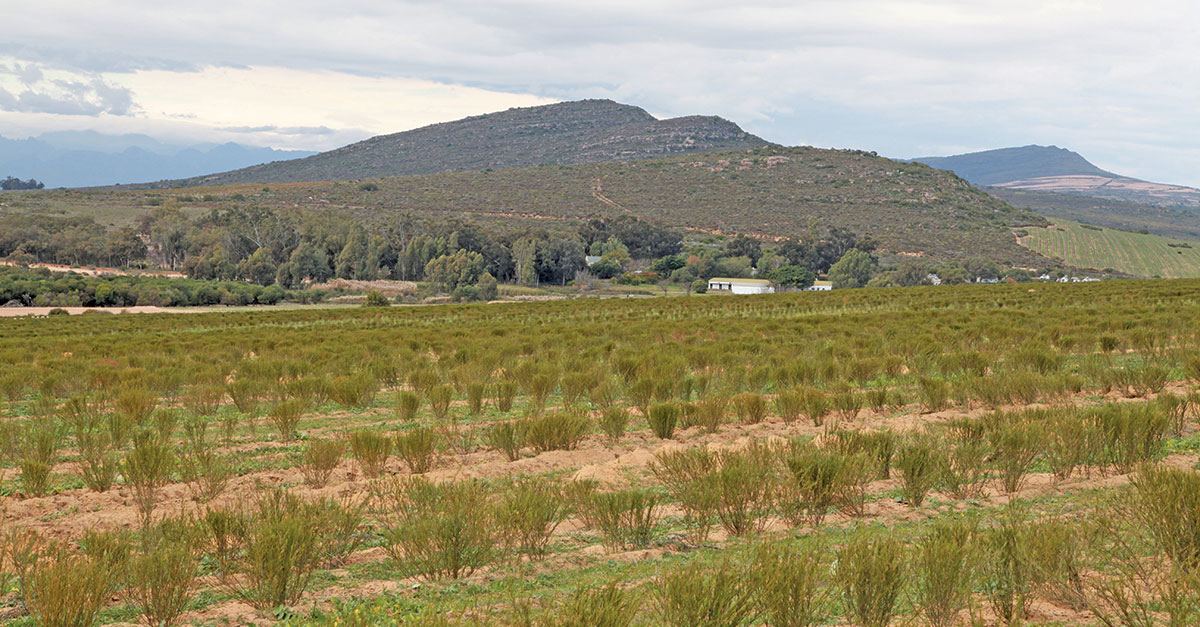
(583, 131)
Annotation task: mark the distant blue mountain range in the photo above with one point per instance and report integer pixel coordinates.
(88, 158)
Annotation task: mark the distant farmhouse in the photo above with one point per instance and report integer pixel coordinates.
(740, 286)
(819, 286)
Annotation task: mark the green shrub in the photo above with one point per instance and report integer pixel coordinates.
(286, 417)
(505, 392)
(1166, 502)
(745, 484)
(371, 449)
(789, 584)
(613, 421)
(662, 418)
(529, 511)
(1007, 573)
(708, 413)
(417, 447)
(935, 393)
(693, 596)
(816, 405)
(505, 437)
(689, 476)
(1016, 444)
(870, 573)
(475, 392)
(944, 571)
(266, 555)
(789, 404)
(147, 468)
(407, 404)
(552, 432)
(610, 605)
(319, 460)
(357, 390)
(162, 581)
(439, 400)
(440, 531)
(750, 407)
(918, 462)
(625, 518)
(376, 299)
(206, 472)
(38, 451)
(58, 587)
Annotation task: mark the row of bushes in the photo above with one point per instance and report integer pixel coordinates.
(43, 288)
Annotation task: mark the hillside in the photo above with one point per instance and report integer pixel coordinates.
(1117, 214)
(1136, 254)
(1058, 170)
(773, 192)
(585, 131)
(82, 159)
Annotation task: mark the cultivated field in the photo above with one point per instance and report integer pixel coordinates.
(1101, 248)
(939, 455)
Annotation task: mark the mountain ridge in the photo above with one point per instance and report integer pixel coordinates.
(1062, 171)
(582, 131)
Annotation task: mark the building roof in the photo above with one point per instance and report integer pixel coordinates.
(721, 279)
(829, 283)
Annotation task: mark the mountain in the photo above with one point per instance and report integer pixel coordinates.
(585, 131)
(88, 158)
(1058, 170)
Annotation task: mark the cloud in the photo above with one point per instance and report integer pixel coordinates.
(1107, 77)
(288, 130)
(30, 88)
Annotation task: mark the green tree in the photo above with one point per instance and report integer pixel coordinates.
(258, 268)
(450, 271)
(744, 246)
(854, 269)
(796, 277)
(487, 287)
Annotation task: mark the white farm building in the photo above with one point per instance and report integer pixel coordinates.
(740, 286)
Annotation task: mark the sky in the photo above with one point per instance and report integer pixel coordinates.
(1113, 80)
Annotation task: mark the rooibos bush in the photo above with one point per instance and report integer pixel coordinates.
(371, 449)
(147, 467)
(662, 418)
(918, 463)
(613, 421)
(529, 511)
(689, 478)
(750, 407)
(441, 531)
(319, 459)
(505, 437)
(625, 518)
(789, 584)
(286, 416)
(610, 605)
(870, 573)
(694, 596)
(556, 431)
(440, 397)
(418, 448)
(61, 588)
(39, 447)
(162, 580)
(944, 571)
(745, 485)
(407, 404)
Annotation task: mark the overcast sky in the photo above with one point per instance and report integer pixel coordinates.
(1114, 80)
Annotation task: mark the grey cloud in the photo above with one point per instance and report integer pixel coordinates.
(896, 76)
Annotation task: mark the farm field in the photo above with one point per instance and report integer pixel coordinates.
(1008, 454)
(1099, 248)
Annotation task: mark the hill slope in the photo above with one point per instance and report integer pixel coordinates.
(1058, 170)
(1136, 254)
(82, 159)
(771, 191)
(585, 131)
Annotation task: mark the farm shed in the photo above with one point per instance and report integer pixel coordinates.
(740, 286)
(819, 286)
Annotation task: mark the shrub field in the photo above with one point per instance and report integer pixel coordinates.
(1136, 254)
(1012, 454)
